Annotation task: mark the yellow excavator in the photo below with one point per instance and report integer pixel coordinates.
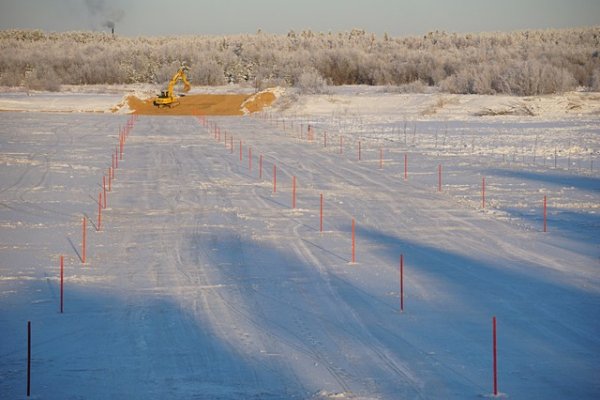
(167, 97)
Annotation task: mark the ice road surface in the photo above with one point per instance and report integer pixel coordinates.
(205, 283)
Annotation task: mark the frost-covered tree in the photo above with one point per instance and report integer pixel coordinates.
(519, 63)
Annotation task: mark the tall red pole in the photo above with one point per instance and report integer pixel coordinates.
(104, 190)
(249, 158)
(99, 211)
(28, 358)
(353, 241)
(62, 268)
(294, 191)
(545, 215)
(83, 241)
(483, 192)
(321, 213)
(495, 350)
(260, 168)
(401, 282)
(110, 179)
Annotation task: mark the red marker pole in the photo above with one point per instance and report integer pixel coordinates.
(249, 158)
(62, 269)
(545, 215)
(99, 211)
(274, 178)
(440, 178)
(321, 213)
(104, 189)
(483, 192)
(495, 350)
(401, 282)
(260, 166)
(405, 166)
(110, 179)
(28, 358)
(294, 192)
(83, 241)
(353, 241)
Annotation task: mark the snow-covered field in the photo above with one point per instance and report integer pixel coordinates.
(205, 283)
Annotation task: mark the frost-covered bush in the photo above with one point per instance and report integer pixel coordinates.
(310, 82)
(519, 63)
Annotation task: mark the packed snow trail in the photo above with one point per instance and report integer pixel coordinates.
(206, 284)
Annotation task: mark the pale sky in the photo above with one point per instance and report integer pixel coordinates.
(218, 17)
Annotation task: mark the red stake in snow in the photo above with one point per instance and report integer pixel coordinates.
(62, 268)
(104, 189)
(274, 178)
(249, 158)
(83, 241)
(483, 192)
(294, 192)
(495, 350)
(28, 358)
(401, 282)
(353, 241)
(99, 211)
(260, 168)
(545, 215)
(321, 213)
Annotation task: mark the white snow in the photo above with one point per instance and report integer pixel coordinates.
(205, 284)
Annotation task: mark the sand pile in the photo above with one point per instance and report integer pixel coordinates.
(206, 104)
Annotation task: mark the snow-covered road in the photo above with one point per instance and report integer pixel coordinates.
(205, 283)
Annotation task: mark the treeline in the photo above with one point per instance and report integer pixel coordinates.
(518, 63)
